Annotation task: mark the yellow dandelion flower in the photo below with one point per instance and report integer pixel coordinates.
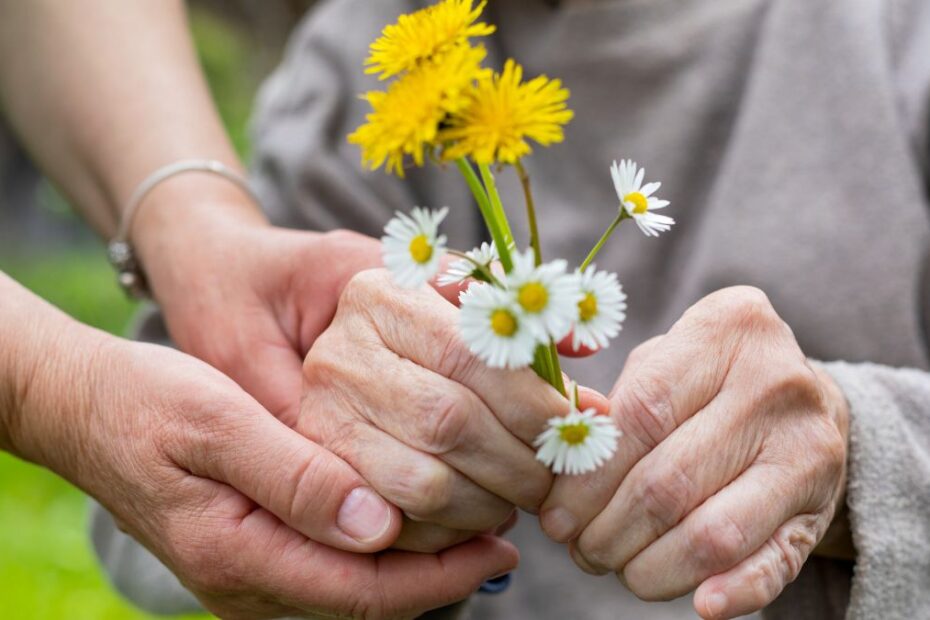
(502, 113)
(422, 35)
(405, 120)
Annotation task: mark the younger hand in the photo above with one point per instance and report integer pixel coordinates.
(246, 297)
(254, 519)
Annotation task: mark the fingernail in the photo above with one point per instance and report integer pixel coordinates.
(364, 515)
(716, 604)
(559, 524)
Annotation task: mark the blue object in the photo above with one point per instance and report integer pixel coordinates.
(496, 585)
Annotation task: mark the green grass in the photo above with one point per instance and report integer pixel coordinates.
(47, 569)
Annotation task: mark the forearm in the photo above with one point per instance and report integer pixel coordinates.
(103, 92)
(44, 358)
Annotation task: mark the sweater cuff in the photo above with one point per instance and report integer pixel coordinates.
(888, 489)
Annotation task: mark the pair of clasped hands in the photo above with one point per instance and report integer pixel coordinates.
(364, 431)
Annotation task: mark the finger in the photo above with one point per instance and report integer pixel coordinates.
(720, 534)
(306, 486)
(438, 416)
(420, 484)
(519, 398)
(669, 482)
(660, 387)
(253, 551)
(429, 538)
(759, 579)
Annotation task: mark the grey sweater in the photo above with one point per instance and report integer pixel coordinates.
(790, 136)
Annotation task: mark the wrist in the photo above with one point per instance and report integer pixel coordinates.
(42, 389)
(183, 222)
(24, 323)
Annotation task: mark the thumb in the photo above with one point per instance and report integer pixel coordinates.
(303, 484)
(759, 579)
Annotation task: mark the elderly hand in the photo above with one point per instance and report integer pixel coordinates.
(732, 465)
(392, 389)
(250, 515)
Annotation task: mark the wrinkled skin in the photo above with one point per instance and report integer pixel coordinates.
(391, 388)
(732, 464)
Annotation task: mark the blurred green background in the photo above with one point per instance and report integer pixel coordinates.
(47, 569)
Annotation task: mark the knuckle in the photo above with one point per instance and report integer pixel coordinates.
(442, 424)
(748, 300)
(646, 403)
(320, 367)
(589, 551)
(718, 544)
(793, 543)
(797, 386)
(665, 496)
(739, 307)
(767, 576)
(316, 482)
(642, 351)
(362, 287)
(428, 490)
(342, 237)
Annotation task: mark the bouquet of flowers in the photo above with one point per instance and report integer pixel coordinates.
(441, 105)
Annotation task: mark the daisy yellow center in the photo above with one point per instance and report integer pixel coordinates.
(640, 203)
(587, 307)
(533, 297)
(503, 323)
(574, 434)
(420, 249)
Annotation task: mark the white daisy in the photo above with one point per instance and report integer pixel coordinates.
(493, 327)
(546, 295)
(462, 269)
(577, 443)
(601, 310)
(412, 246)
(638, 200)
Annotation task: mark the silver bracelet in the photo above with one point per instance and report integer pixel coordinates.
(129, 272)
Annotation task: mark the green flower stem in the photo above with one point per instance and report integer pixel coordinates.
(555, 379)
(491, 220)
(491, 186)
(622, 215)
(530, 211)
(546, 359)
(541, 363)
